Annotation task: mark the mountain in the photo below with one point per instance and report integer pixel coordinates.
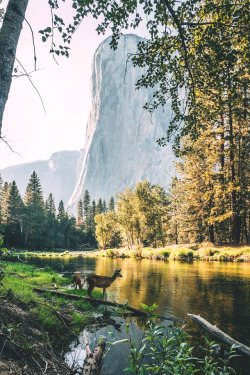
(120, 143)
(57, 175)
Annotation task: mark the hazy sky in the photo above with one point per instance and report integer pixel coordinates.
(64, 88)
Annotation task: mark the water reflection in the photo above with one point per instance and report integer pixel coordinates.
(219, 292)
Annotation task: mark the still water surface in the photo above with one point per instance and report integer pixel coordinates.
(219, 292)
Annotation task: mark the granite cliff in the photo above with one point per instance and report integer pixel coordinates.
(120, 144)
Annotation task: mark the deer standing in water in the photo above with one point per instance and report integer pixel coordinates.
(101, 282)
(77, 280)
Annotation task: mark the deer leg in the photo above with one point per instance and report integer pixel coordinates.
(90, 288)
(103, 292)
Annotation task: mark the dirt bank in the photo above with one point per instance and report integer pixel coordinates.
(25, 348)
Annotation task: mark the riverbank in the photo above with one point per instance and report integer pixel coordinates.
(37, 331)
(205, 251)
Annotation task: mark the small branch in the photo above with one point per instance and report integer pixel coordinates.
(179, 27)
(32, 85)
(3, 140)
(33, 41)
(212, 23)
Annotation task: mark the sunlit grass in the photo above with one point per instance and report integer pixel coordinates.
(206, 251)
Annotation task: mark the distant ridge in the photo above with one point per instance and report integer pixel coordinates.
(57, 175)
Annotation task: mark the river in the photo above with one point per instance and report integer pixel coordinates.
(218, 291)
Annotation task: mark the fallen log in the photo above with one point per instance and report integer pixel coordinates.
(219, 334)
(93, 361)
(102, 302)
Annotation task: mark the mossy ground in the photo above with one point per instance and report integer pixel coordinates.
(37, 329)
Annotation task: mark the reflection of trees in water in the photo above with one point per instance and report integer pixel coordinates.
(225, 303)
(220, 292)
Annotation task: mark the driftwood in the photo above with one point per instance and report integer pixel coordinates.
(219, 334)
(93, 361)
(102, 302)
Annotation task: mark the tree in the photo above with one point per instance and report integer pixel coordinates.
(9, 36)
(104, 206)
(33, 194)
(178, 54)
(150, 205)
(177, 231)
(125, 213)
(99, 207)
(51, 223)
(61, 212)
(1, 184)
(34, 220)
(4, 202)
(80, 214)
(186, 45)
(111, 205)
(105, 225)
(15, 207)
(50, 207)
(86, 203)
(1, 188)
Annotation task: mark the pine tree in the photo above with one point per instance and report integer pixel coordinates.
(99, 207)
(51, 223)
(104, 206)
(34, 195)
(1, 184)
(86, 203)
(80, 214)
(93, 208)
(111, 205)
(1, 188)
(61, 212)
(4, 202)
(34, 222)
(15, 208)
(50, 207)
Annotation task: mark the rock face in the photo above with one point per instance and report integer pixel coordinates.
(57, 175)
(120, 144)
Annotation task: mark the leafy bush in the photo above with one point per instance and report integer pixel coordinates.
(169, 354)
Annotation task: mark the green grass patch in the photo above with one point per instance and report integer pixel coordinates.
(22, 278)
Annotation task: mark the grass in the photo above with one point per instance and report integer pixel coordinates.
(22, 278)
(205, 251)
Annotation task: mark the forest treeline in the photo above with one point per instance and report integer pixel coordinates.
(36, 224)
(197, 207)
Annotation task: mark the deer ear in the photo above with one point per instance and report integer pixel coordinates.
(119, 270)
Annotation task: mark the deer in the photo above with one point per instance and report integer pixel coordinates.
(77, 280)
(101, 282)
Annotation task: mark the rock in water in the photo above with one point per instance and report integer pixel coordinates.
(120, 144)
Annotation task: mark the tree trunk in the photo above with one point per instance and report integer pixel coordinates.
(211, 233)
(236, 222)
(9, 36)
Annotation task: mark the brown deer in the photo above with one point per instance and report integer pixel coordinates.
(77, 280)
(101, 282)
